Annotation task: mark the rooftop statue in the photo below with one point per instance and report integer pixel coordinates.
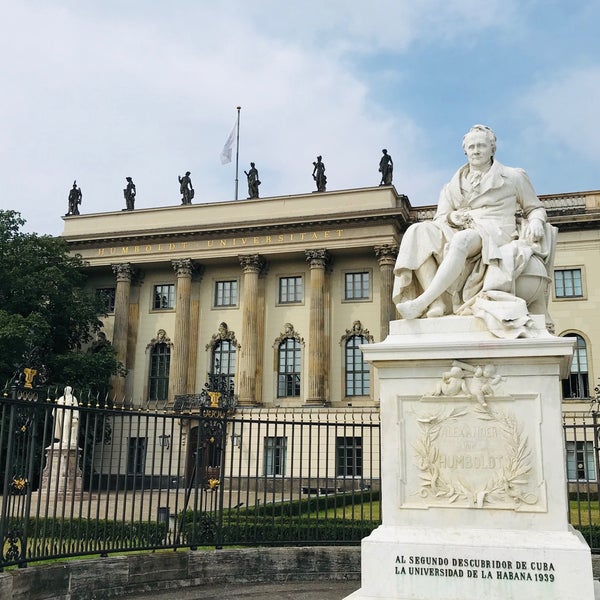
(487, 252)
(129, 193)
(186, 189)
(253, 181)
(386, 168)
(319, 174)
(74, 200)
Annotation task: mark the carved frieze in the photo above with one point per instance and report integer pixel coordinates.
(357, 329)
(470, 445)
(161, 338)
(288, 332)
(224, 333)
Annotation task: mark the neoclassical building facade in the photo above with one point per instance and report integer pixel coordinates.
(278, 294)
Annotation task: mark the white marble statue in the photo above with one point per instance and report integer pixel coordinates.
(66, 421)
(487, 252)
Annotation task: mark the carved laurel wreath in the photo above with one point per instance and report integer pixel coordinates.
(502, 487)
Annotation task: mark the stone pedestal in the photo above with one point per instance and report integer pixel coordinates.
(62, 474)
(474, 498)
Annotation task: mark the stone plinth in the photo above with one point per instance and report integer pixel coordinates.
(62, 474)
(474, 498)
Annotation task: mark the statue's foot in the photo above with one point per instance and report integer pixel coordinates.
(436, 309)
(411, 309)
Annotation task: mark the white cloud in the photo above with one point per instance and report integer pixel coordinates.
(101, 99)
(565, 111)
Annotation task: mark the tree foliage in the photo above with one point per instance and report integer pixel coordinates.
(44, 306)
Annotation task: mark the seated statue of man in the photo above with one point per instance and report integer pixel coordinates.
(488, 227)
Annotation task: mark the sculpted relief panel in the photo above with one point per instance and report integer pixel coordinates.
(468, 445)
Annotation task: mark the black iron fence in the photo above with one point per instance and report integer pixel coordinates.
(78, 478)
(582, 451)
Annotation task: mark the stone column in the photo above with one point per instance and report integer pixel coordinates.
(317, 352)
(386, 256)
(181, 349)
(251, 264)
(124, 273)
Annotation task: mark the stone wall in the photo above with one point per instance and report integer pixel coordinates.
(120, 576)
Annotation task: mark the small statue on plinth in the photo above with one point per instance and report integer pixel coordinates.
(386, 168)
(74, 200)
(253, 181)
(66, 421)
(319, 174)
(129, 193)
(186, 189)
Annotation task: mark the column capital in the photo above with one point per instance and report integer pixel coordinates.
(251, 263)
(184, 267)
(318, 258)
(123, 271)
(386, 254)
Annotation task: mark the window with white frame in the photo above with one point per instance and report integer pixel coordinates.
(288, 375)
(107, 295)
(223, 359)
(226, 293)
(164, 296)
(349, 456)
(358, 375)
(275, 453)
(568, 283)
(581, 463)
(577, 384)
(357, 285)
(136, 456)
(158, 379)
(291, 290)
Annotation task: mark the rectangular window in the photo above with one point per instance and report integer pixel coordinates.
(581, 465)
(107, 295)
(226, 293)
(567, 283)
(164, 296)
(349, 456)
(290, 290)
(357, 286)
(275, 450)
(136, 456)
(358, 377)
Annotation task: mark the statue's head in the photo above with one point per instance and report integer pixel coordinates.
(488, 132)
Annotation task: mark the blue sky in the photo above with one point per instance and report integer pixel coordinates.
(97, 91)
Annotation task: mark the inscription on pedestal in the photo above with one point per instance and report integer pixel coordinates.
(474, 568)
(462, 452)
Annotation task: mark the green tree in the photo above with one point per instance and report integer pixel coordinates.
(44, 305)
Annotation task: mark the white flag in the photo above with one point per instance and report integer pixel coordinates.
(228, 147)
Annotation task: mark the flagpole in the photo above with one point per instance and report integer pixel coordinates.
(237, 152)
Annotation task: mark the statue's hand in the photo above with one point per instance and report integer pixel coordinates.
(459, 219)
(535, 230)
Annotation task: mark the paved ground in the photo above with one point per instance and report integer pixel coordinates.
(319, 590)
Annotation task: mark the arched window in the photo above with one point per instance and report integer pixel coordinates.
(358, 376)
(158, 381)
(288, 380)
(577, 385)
(223, 359)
